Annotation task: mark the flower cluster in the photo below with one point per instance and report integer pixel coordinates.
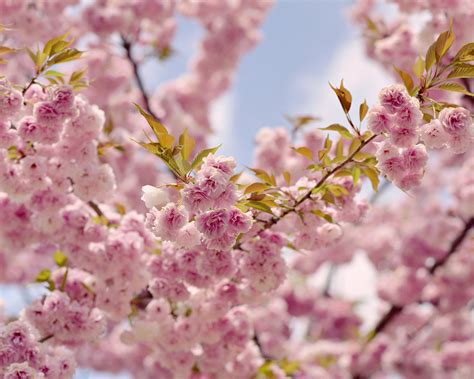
(22, 355)
(221, 277)
(453, 129)
(400, 158)
(207, 214)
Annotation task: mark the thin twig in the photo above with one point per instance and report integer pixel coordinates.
(395, 310)
(127, 45)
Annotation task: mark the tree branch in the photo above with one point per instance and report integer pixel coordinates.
(321, 181)
(127, 45)
(395, 310)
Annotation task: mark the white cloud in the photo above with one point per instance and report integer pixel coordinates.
(222, 120)
(362, 77)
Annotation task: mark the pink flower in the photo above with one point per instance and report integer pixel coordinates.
(169, 220)
(455, 121)
(63, 99)
(46, 112)
(403, 136)
(239, 222)
(391, 167)
(196, 198)
(11, 101)
(20, 371)
(415, 158)
(188, 236)
(433, 134)
(213, 223)
(225, 165)
(394, 97)
(212, 180)
(226, 198)
(409, 180)
(409, 115)
(379, 120)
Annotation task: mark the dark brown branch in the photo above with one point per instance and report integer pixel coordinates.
(395, 310)
(127, 45)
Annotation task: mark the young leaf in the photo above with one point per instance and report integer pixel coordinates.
(43, 276)
(355, 175)
(203, 154)
(465, 53)
(340, 129)
(260, 206)
(305, 152)
(455, 87)
(406, 78)
(363, 109)
(430, 57)
(344, 96)
(323, 215)
(287, 177)
(419, 67)
(373, 176)
(188, 144)
(299, 121)
(256, 187)
(60, 258)
(443, 43)
(464, 70)
(354, 145)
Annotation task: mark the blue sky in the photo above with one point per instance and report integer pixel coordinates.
(305, 44)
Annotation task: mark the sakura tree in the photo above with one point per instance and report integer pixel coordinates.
(158, 257)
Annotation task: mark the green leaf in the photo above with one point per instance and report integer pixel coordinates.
(464, 70)
(287, 177)
(465, 53)
(259, 206)
(256, 187)
(443, 43)
(47, 49)
(53, 73)
(65, 56)
(305, 152)
(340, 149)
(43, 276)
(406, 78)
(430, 57)
(6, 50)
(344, 96)
(455, 87)
(263, 175)
(363, 109)
(340, 129)
(355, 144)
(373, 176)
(60, 258)
(355, 175)
(203, 154)
(188, 144)
(298, 122)
(77, 75)
(419, 67)
(337, 190)
(323, 215)
(166, 139)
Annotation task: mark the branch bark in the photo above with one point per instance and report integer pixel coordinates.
(127, 45)
(395, 310)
